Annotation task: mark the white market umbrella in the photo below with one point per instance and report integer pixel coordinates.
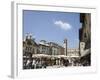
(40, 55)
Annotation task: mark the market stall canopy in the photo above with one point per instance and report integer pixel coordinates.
(60, 56)
(40, 55)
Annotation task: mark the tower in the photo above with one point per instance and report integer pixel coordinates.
(65, 47)
(26, 36)
(30, 36)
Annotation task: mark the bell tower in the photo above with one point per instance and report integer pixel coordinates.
(65, 47)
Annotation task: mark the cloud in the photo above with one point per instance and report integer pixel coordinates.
(63, 25)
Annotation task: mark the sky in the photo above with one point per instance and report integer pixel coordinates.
(52, 26)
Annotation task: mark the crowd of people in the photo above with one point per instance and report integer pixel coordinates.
(34, 64)
(38, 63)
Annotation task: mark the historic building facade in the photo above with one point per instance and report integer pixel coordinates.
(73, 52)
(49, 48)
(44, 47)
(85, 38)
(30, 47)
(85, 30)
